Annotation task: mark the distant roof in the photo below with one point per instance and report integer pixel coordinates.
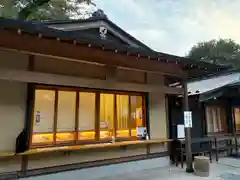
(213, 82)
(43, 28)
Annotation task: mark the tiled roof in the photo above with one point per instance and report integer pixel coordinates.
(33, 28)
(212, 83)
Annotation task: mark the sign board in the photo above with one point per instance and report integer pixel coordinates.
(180, 131)
(38, 117)
(103, 124)
(141, 131)
(188, 119)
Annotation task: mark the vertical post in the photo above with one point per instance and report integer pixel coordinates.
(188, 140)
(234, 130)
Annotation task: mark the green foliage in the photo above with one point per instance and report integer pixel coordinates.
(43, 9)
(222, 51)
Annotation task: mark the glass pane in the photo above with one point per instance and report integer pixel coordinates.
(65, 136)
(43, 111)
(215, 119)
(136, 113)
(66, 111)
(122, 116)
(237, 118)
(219, 119)
(86, 126)
(106, 115)
(209, 119)
(43, 138)
(223, 116)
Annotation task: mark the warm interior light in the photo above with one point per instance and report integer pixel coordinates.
(128, 109)
(65, 136)
(87, 135)
(42, 138)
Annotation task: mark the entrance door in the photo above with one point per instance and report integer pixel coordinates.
(175, 115)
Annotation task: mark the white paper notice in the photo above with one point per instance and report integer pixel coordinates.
(180, 131)
(140, 131)
(188, 119)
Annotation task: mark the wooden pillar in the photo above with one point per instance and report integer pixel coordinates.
(29, 111)
(188, 140)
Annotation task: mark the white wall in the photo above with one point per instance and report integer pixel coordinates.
(12, 102)
(157, 115)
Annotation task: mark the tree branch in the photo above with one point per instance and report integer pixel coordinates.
(26, 11)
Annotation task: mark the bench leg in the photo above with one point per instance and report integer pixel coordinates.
(176, 160)
(181, 159)
(210, 157)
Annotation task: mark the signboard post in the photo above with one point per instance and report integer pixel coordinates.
(188, 119)
(188, 126)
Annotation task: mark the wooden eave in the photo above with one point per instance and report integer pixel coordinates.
(76, 50)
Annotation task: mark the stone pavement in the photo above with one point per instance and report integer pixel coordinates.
(226, 169)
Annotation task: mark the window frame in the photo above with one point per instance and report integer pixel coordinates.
(97, 92)
(219, 110)
(234, 120)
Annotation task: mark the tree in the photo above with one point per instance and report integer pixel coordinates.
(222, 51)
(44, 9)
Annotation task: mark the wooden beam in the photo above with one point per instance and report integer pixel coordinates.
(65, 80)
(51, 47)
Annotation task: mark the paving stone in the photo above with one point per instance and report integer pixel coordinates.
(227, 169)
(230, 176)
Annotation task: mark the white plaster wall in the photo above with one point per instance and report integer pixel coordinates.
(12, 113)
(157, 115)
(12, 101)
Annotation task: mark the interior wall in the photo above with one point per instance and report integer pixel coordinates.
(12, 101)
(157, 115)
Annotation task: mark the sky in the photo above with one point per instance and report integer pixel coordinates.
(174, 26)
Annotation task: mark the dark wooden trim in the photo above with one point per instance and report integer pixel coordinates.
(24, 164)
(144, 123)
(129, 116)
(30, 103)
(31, 62)
(82, 89)
(55, 117)
(167, 115)
(234, 127)
(30, 113)
(97, 116)
(77, 116)
(115, 121)
(68, 50)
(147, 117)
(145, 78)
(77, 166)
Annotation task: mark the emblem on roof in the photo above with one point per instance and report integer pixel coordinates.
(103, 32)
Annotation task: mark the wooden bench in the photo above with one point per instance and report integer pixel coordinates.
(86, 147)
(228, 147)
(68, 149)
(181, 152)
